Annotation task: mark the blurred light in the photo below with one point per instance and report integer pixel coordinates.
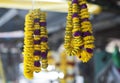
(50, 5)
(118, 3)
(53, 75)
(46, 75)
(70, 70)
(51, 67)
(55, 82)
(70, 58)
(95, 9)
(52, 0)
(111, 46)
(22, 81)
(79, 79)
(39, 81)
(13, 34)
(21, 67)
(61, 75)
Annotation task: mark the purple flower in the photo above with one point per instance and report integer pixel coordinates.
(86, 34)
(37, 52)
(36, 20)
(36, 41)
(89, 50)
(75, 1)
(37, 32)
(42, 23)
(44, 54)
(44, 39)
(81, 47)
(85, 19)
(83, 6)
(77, 33)
(74, 15)
(36, 63)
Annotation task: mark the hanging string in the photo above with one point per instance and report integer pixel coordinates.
(33, 4)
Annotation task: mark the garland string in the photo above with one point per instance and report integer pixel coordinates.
(78, 39)
(35, 43)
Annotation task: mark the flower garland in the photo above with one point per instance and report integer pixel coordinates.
(37, 49)
(78, 35)
(86, 26)
(44, 40)
(68, 32)
(28, 47)
(35, 43)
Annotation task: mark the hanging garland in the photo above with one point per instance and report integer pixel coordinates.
(78, 35)
(28, 47)
(35, 43)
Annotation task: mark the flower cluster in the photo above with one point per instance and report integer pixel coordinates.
(35, 43)
(78, 35)
(44, 40)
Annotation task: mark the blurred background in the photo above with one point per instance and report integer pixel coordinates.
(104, 67)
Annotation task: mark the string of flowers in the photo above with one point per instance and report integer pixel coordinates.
(88, 38)
(28, 46)
(44, 40)
(80, 41)
(37, 47)
(68, 32)
(76, 32)
(35, 43)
